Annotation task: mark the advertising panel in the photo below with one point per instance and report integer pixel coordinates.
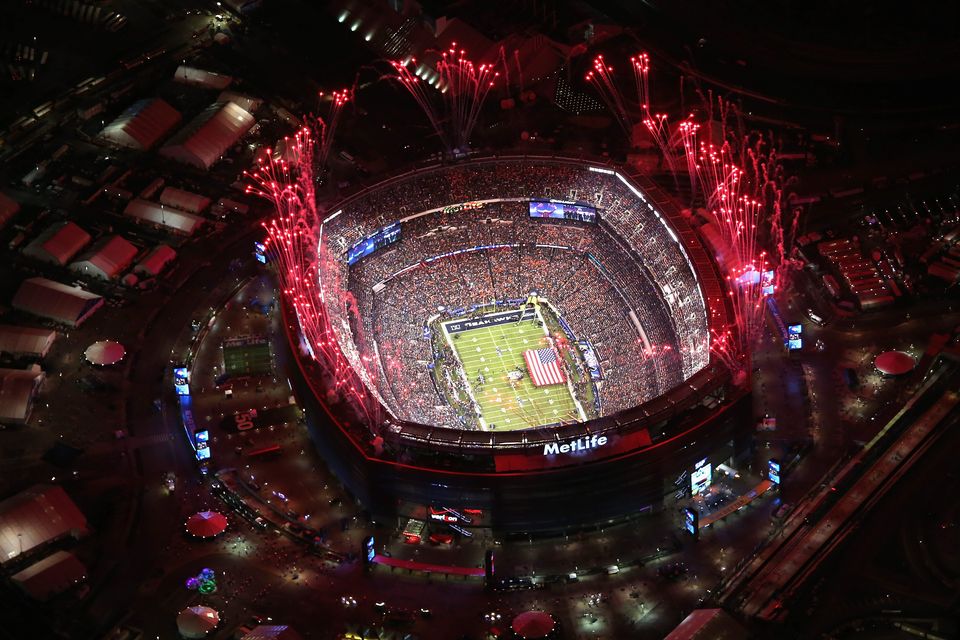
(773, 471)
(377, 240)
(701, 477)
(559, 210)
(181, 381)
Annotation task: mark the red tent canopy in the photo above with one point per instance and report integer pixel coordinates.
(206, 524)
(533, 624)
(894, 363)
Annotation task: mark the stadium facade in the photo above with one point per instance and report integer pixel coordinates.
(470, 229)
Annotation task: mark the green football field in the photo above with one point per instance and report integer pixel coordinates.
(247, 359)
(507, 405)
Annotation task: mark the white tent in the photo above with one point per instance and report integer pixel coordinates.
(142, 125)
(26, 341)
(18, 388)
(158, 258)
(202, 78)
(161, 216)
(56, 301)
(197, 621)
(107, 259)
(207, 137)
(58, 243)
(184, 200)
(104, 353)
(8, 208)
(247, 103)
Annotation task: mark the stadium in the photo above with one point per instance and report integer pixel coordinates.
(528, 334)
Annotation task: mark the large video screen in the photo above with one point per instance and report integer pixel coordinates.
(562, 211)
(377, 240)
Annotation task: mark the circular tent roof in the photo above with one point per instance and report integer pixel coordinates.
(197, 621)
(533, 624)
(105, 352)
(894, 363)
(206, 524)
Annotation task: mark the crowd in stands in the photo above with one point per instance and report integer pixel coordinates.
(595, 274)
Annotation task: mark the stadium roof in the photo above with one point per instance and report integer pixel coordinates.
(202, 78)
(142, 125)
(108, 258)
(272, 632)
(56, 301)
(156, 260)
(207, 137)
(35, 517)
(26, 341)
(17, 390)
(54, 574)
(58, 243)
(8, 208)
(162, 216)
(184, 200)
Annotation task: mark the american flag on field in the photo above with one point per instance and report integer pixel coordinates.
(544, 366)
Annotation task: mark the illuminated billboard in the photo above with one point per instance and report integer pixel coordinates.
(773, 471)
(558, 210)
(377, 240)
(369, 549)
(201, 440)
(701, 477)
(794, 337)
(181, 381)
(692, 521)
(260, 252)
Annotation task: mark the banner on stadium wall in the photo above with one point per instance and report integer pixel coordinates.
(590, 358)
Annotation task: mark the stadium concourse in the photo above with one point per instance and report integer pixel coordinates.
(466, 240)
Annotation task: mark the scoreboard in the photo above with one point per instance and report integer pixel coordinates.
(376, 240)
(559, 210)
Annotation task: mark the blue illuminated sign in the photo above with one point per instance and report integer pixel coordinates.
(369, 548)
(181, 381)
(377, 240)
(260, 252)
(773, 471)
(794, 337)
(691, 521)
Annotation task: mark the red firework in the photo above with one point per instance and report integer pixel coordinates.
(293, 243)
(338, 99)
(738, 182)
(463, 85)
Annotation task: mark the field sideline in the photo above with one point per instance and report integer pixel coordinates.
(507, 405)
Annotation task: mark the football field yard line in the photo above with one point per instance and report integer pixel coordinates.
(509, 406)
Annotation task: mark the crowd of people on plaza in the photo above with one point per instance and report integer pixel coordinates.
(598, 275)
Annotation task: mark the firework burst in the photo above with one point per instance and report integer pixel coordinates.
(293, 243)
(463, 86)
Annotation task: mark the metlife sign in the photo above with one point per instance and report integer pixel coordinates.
(575, 446)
